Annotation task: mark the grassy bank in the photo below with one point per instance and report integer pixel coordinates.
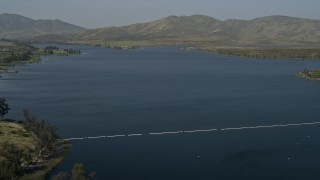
(16, 134)
(26, 141)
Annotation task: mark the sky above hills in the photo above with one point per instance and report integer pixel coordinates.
(103, 13)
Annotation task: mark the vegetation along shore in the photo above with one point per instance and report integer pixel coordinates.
(30, 149)
(310, 74)
(17, 52)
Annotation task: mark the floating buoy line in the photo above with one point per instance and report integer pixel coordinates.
(196, 131)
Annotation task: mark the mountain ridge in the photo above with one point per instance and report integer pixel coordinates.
(276, 30)
(14, 26)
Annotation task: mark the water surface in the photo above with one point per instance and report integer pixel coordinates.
(108, 92)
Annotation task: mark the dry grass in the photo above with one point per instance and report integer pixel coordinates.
(16, 134)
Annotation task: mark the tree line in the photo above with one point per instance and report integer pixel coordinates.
(12, 56)
(270, 53)
(57, 50)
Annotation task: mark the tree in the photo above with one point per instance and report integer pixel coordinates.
(11, 166)
(44, 132)
(4, 107)
(78, 172)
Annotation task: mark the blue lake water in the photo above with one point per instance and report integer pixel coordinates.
(109, 92)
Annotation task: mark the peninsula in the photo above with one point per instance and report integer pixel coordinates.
(29, 150)
(14, 52)
(310, 74)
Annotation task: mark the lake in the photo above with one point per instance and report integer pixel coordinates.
(105, 92)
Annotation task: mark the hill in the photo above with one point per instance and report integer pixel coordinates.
(13, 26)
(264, 31)
(200, 30)
(184, 27)
(278, 29)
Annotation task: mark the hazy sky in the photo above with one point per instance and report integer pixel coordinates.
(103, 13)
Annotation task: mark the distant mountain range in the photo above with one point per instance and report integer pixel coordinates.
(273, 30)
(13, 26)
(270, 30)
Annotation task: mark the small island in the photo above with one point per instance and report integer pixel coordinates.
(310, 74)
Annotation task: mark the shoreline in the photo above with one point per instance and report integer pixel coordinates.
(222, 48)
(16, 54)
(52, 163)
(12, 131)
(307, 76)
(282, 53)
